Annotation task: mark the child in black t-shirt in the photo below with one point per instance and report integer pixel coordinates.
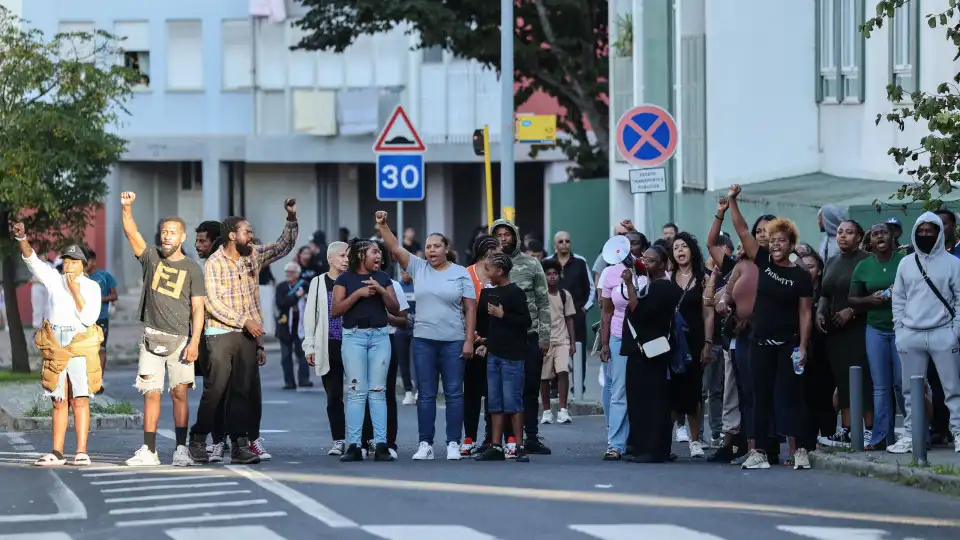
(502, 322)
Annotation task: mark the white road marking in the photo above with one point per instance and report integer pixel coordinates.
(131, 471)
(166, 479)
(166, 486)
(835, 533)
(187, 495)
(275, 402)
(37, 536)
(24, 447)
(427, 532)
(307, 505)
(69, 506)
(16, 438)
(603, 486)
(249, 532)
(647, 532)
(167, 434)
(197, 519)
(179, 507)
(274, 431)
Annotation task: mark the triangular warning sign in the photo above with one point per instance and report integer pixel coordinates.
(399, 137)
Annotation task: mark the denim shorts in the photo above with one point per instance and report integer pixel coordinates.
(504, 385)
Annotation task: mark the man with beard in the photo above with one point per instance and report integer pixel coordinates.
(234, 326)
(172, 298)
(527, 273)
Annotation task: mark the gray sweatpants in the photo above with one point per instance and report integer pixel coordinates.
(916, 348)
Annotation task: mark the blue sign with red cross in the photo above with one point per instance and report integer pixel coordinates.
(647, 135)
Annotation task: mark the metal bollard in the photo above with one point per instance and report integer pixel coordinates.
(918, 413)
(856, 408)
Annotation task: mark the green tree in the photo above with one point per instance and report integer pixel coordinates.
(934, 165)
(561, 50)
(59, 98)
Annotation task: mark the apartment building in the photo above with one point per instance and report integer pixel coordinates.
(779, 96)
(229, 121)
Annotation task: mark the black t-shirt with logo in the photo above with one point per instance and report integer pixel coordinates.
(167, 289)
(776, 313)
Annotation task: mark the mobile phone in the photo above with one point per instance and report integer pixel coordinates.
(493, 300)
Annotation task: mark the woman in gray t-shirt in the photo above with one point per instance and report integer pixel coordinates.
(442, 333)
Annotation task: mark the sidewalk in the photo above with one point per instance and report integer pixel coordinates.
(942, 474)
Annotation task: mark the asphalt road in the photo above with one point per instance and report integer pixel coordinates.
(570, 495)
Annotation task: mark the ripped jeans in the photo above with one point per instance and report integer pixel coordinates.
(366, 361)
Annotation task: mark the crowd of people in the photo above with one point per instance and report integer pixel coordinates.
(764, 335)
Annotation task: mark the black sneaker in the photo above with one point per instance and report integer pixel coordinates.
(241, 454)
(534, 445)
(522, 456)
(198, 451)
(492, 453)
(353, 453)
(382, 453)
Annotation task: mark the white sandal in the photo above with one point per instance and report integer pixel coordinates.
(81, 460)
(49, 460)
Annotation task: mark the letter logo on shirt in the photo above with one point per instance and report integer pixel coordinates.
(168, 280)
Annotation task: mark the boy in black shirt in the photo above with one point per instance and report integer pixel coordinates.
(502, 322)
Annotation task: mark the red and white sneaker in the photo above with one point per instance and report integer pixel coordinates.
(467, 448)
(257, 448)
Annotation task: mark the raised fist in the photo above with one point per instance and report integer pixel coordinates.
(723, 204)
(381, 218)
(290, 205)
(127, 198)
(733, 191)
(17, 229)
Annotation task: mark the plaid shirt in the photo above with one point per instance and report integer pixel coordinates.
(233, 287)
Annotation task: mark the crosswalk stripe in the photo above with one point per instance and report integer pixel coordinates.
(427, 532)
(645, 532)
(119, 500)
(197, 519)
(306, 504)
(172, 478)
(835, 533)
(166, 486)
(37, 536)
(249, 532)
(178, 507)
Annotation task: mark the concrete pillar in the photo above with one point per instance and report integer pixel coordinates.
(348, 199)
(439, 200)
(114, 233)
(215, 189)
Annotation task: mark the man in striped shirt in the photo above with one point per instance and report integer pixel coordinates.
(233, 328)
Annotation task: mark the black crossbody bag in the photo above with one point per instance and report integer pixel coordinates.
(936, 291)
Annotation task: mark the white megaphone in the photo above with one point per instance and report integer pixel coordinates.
(616, 250)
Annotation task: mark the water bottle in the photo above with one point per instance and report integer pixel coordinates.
(797, 368)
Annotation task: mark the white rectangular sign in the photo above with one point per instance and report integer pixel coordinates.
(648, 180)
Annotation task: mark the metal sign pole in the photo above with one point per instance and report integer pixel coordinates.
(399, 230)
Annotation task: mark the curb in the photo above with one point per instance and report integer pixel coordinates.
(911, 476)
(579, 408)
(14, 422)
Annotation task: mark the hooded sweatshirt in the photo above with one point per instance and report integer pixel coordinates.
(832, 216)
(915, 305)
(528, 274)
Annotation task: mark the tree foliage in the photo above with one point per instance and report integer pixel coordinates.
(561, 50)
(59, 98)
(934, 165)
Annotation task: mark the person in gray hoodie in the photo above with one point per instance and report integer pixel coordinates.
(926, 298)
(830, 217)
(527, 273)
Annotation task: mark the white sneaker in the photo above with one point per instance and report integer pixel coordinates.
(547, 417)
(393, 453)
(867, 437)
(696, 449)
(257, 448)
(425, 451)
(904, 445)
(683, 434)
(337, 449)
(801, 460)
(216, 453)
(143, 457)
(563, 417)
(453, 451)
(409, 399)
(181, 457)
(756, 460)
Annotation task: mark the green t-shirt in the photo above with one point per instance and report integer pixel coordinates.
(871, 276)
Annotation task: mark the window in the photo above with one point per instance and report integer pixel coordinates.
(135, 44)
(840, 51)
(184, 55)
(74, 48)
(433, 55)
(904, 47)
(191, 176)
(237, 54)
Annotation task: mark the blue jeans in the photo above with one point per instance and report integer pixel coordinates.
(886, 373)
(289, 350)
(615, 378)
(434, 360)
(366, 361)
(505, 379)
